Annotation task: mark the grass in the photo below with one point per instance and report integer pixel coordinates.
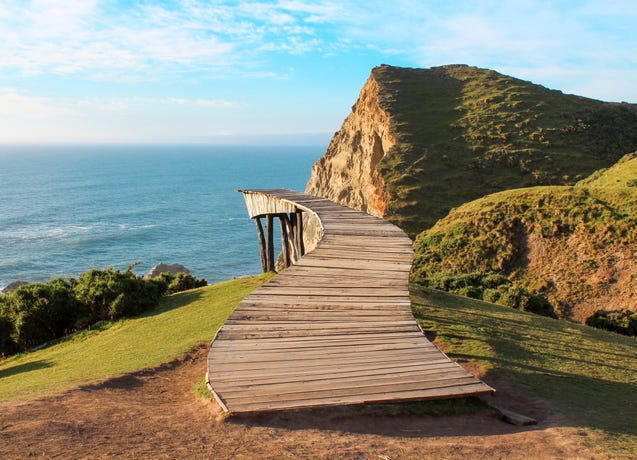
(492, 233)
(464, 132)
(202, 390)
(179, 323)
(589, 375)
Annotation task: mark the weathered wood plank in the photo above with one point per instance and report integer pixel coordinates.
(397, 395)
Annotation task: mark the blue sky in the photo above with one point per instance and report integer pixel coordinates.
(277, 71)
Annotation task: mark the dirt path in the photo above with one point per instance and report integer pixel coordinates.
(155, 413)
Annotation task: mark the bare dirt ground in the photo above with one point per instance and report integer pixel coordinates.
(155, 413)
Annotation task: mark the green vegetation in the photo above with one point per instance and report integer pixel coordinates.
(464, 132)
(202, 390)
(180, 322)
(587, 374)
(491, 287)
(622, 321)
(489, 237)
(39, 312)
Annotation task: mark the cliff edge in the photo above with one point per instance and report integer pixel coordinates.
(348, 172)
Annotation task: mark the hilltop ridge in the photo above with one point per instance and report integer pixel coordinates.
(419, 142)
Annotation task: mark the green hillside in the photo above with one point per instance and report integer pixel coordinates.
(586, 374)
(573, 244)
(464, 132)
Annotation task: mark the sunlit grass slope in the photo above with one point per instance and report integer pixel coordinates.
(589, 375)
(179, 323)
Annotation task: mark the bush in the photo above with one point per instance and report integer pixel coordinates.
(170, 283)
(7, 333)
(112, 294)
(621, 321)
(491, 295)
(491, 287)
(41, 312)
(469, 291)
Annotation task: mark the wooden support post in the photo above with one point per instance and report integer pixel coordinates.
(269, 228)
(294, 242)
(285, 238)
(299, 231)
(262, 247)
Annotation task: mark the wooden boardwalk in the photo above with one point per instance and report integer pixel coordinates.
(335, 328)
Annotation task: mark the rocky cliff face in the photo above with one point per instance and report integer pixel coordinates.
(348, 173)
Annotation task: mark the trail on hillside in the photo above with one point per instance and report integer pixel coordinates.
(156, 413)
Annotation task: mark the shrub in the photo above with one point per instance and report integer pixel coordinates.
(7, 333)
(493, 280)
(469, 291)
(491, 287)
(112, 294)
(621, 321)
(170, 283)
(491, 295)
(41, 312)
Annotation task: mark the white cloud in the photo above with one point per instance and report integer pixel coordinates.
(17, 105)
(210, 103)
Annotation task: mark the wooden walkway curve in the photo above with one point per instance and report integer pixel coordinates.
(334, 328)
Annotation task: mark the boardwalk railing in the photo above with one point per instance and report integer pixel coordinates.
(334, 328)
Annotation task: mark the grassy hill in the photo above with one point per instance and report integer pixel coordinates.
(588, 375)
(573, 244)
(464, 132)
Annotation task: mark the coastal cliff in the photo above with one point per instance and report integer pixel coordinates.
(348, 172)
(419, 142)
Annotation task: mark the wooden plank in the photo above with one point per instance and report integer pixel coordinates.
(257, 378)
(332, 338)
(340, 351)
(334, 290)
(390, 396)
(328, 300)
(346, 343)
(371, 388)
(342, 371)
(313, 364)
(343, 385)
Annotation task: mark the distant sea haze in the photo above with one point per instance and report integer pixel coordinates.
(67, 209)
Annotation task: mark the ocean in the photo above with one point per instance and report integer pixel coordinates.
(67, 209)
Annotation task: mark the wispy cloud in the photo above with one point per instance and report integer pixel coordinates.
(67, 37)
(17, 104)
(94, 37)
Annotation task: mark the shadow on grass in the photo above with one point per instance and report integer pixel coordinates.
(583, 373)
(25, 367)
(172, 302)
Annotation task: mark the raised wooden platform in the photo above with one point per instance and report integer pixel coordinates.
(336, 327)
